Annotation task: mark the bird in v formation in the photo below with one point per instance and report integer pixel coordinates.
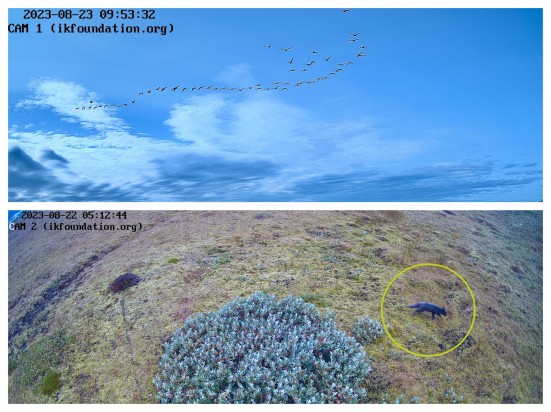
(259, 86)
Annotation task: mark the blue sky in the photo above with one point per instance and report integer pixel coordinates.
(446, 105)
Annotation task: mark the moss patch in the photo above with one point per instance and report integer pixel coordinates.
(50, 383)
(34, 367)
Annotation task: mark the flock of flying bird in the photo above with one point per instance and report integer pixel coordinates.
(314, 59)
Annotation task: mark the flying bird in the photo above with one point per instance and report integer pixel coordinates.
(279, 85)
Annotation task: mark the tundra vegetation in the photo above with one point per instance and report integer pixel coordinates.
(72, 340)
(261, 350)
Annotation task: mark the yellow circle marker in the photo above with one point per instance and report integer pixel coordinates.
(428, 355)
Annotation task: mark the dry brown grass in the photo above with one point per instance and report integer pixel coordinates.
(193, 262)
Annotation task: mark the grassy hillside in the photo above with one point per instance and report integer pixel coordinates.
(72, 340)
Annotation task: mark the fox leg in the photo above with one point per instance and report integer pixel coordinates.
(432, 315)
(418, 311)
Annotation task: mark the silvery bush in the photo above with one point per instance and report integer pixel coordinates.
(261, 350)
(366, 330)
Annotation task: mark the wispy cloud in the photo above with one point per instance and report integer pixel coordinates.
(236, 75)
(468, 181)
(49, 155)
(65, 97)
(268, 128)
(251, 148)
(31, 181)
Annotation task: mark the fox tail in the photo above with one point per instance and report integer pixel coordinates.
(415, 305)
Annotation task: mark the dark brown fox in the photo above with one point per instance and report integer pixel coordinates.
(429, 307)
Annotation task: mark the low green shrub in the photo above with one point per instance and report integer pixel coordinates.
(33, 369)
(36, 360)
(448, 394)
(317, 299)
(12, 365)
(50, 383)
(261, 350)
